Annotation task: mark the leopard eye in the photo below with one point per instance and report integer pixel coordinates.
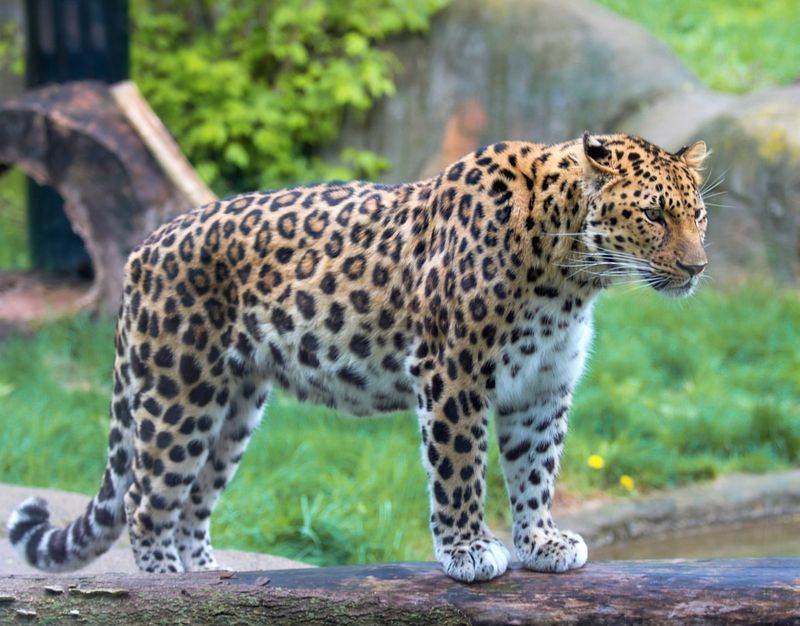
(654, 215)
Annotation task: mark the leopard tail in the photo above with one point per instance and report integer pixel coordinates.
(53, 549)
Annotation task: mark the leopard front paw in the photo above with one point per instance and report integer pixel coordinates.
(480, 559)
(552, 550)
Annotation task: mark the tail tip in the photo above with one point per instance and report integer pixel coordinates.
(29, 515)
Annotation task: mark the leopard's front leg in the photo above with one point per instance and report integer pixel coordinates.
(453, 427)
(531, 437)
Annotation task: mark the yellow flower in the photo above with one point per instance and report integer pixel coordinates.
(596, 462)
(627, 482)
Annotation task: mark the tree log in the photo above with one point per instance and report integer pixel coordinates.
(75, 138)
(745, 591)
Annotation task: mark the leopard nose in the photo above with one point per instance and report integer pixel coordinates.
(692, 270)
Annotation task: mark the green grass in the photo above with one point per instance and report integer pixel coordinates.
(736, 45)
(676, 392)
(681, 391)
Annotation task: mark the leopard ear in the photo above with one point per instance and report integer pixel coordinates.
(597, 169)
(693, 155)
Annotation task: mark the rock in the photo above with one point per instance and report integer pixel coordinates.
(545, 70)
(541, 70)
(756, 143)
(673, 121)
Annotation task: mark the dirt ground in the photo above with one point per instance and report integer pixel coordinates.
(65, 506)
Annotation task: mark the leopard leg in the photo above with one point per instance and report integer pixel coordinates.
(170, 451)
(453, 428)
(165, 466)
(245, 408)
(531, 437)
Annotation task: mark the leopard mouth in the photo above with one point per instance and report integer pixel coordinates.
(669, 285)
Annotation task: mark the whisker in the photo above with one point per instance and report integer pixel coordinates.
(719, 205)
(710, 183)
(604, 270)
(609, 252)
(711, 186)
(591, 261)
(609, 259)
(597, 263)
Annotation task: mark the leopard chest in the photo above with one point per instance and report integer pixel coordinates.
(544, 355)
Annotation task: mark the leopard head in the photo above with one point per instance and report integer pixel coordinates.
(645, 219)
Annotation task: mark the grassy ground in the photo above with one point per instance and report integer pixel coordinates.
(736, 45)
(677, 391)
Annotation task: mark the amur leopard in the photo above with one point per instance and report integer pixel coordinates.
(450, 296)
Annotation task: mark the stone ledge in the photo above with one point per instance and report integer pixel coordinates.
(729, 499)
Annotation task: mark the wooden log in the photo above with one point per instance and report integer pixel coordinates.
(75, 138)
(745, 591)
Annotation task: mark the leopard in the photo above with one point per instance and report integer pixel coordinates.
(467, 293)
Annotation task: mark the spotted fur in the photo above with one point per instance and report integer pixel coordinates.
(468, 291)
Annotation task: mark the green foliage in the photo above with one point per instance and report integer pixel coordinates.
(14, 252)
(12, 48)
(737, 45)
(253, 91)
(676, 392)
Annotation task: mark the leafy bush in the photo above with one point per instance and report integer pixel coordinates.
(12, 48)
(252, 90)
(14, 253)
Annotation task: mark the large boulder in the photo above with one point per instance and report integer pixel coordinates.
(755, 220)
(752, 176)
(542, 70)
(545, 70)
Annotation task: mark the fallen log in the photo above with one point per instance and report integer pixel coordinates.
(744, 591)
(101, 148)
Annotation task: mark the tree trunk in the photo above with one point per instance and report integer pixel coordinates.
(747, 591)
